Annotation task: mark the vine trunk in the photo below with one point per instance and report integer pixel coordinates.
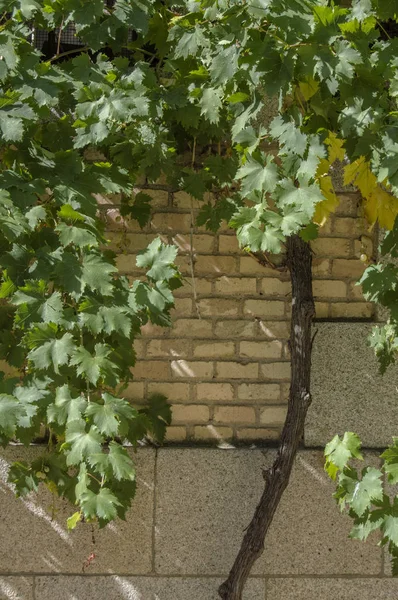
(299, 260)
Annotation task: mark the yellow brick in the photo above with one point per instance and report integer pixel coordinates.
(326, 228)
(258, 434)
(171, 222)
(264, 308)
(355, 291)
(353, 310)
(275, 371)
(183, 200)
(228, 244)
(190, 413)
(275, 329)
(151, 330)
(345, 226)
(139, 348)
(182, 307)
(126, 263)
(348, 206)
(259, 392)
(321, 310)
(250, 266)
(233, 370)
(332, 247)
(275, 287)
(160, 198)
(261, 349)
(273, 415)
(202, 286)
(234, 414)
(234, 285)
(215, 392)
(131, 242)
(215, 265)
(214, 349)
(320, 267)
(173, 391)
(363, 246)
(114, 221)
(353, 268)
(201, 243)
(191, 328)
(192, 369)
(183, 262)
(233, 329)
(285, 391)
(218, 307)
(109, 199)
(134, 390)
(151, 369)
(329, 289)
(176, 434)
(168, 347)
(213, 433)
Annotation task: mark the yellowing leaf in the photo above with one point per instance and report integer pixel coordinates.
(331, 202)
(73, 520)
(323, 167)
(336, 150)
(308, 87)
(382, 206)
(359, 173)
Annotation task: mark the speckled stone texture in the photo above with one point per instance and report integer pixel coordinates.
(33, 540)
(206, 498)
(137, 588)
(16, 588)
(348, 392)
(332, 589)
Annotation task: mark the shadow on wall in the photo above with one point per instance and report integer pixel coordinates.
(179, 542)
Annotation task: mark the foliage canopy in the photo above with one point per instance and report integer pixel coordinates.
(176, 88)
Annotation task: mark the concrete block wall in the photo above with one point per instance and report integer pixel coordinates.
(183, 533)
(225, 362)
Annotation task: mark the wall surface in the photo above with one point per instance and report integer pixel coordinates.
(182, 535)
(193, 505)
(225, 362)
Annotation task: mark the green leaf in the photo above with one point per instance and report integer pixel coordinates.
(121, 463)
(256, 176)
(390, 457)
(158, 258)
(211, 104)
(107, 416)
(80, 443)
(65, 408)
(10, 411)
(103, 505)
(370, 488)
(97, 274)
(23, 478)
(224, 65)
(53, 353)
(339, 451)
(94, 366)
(190, 42)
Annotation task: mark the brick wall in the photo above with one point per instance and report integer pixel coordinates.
(224, 364)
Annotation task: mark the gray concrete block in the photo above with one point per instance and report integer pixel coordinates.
(348, 392)
(206, 498)
(33, 540)
(137, 588)
(330, 589)
(16, 588)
